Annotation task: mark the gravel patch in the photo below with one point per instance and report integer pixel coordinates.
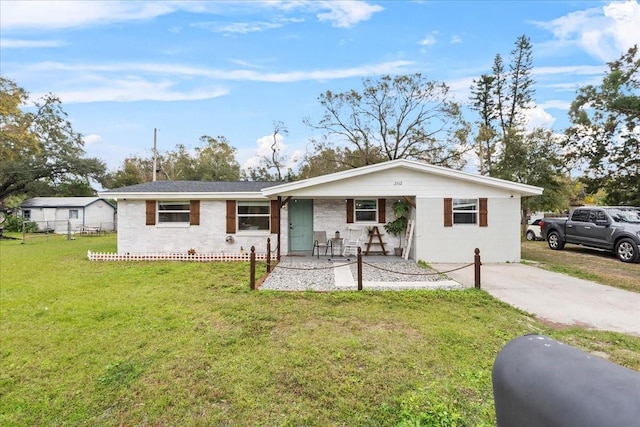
(313, 276)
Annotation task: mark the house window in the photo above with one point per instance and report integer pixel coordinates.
(465, 211)
(73, 213)
(26, 214)
(366, 210)
(253, 216)
(171, 212)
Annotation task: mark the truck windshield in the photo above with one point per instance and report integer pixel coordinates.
(625, 215)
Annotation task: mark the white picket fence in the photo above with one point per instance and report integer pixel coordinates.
(224, 257)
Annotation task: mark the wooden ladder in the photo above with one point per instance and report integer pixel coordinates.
(375, 233)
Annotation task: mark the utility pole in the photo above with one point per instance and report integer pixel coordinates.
(155, 153)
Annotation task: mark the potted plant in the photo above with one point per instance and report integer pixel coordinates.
(399, 225)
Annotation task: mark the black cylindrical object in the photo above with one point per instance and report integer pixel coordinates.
(541, 382)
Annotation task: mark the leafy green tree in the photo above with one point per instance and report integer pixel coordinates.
(40, 150)
(605, 132)
(542, 165)
(213, 160)
(323, 160)
(216, 160)
(393, 117)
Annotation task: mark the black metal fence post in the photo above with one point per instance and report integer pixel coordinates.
(359, 268)
(252, 268)
(477, 264)
(268, 255)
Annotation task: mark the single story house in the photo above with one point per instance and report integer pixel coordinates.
(64, 214)
(453, 212)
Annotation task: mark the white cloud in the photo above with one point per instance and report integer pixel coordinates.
(556, 104)
(131, 90)
(584, 70)
(68, 14)
(265, 149)
(429, 40)
(537, 117)
(455, 39)
(604, 33)
(54, 14)
(92, 139)
(21, 44)
(346, 14)
(245, 27)
(175, 71)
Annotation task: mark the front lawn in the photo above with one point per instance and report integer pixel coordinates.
(586, 263)
(175, 343)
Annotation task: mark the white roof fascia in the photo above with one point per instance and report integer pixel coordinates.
(184, 196)
(523, 189)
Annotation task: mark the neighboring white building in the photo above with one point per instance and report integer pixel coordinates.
(454, 212)
(63, 214)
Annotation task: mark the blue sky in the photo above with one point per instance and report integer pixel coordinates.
(192, 68)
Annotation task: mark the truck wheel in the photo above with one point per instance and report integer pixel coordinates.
(627, 250)
(531, 235)
(554, 241)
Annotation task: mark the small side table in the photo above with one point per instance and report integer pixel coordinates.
(336, 242)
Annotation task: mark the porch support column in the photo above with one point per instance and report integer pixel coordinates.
(280, 226)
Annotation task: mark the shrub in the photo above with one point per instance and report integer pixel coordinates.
(14, 223)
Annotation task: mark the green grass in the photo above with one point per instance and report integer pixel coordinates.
(584, 263)
(172, 343)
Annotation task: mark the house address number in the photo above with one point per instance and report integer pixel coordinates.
(397, 182)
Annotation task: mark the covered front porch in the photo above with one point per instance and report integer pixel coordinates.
(337, 227)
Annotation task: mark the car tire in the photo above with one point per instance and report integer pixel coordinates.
(554, 241)
(531, 235)
(627, 250)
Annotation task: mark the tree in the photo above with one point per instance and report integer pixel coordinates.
(323, 160)
(482, 100)
(542, 166)
(605, 132)
(501, 99)
(40, 150)
(505, 147)
(214, 160)
(275, 161)
(401, 117)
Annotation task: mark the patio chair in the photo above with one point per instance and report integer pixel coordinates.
(355, 237)
(320, 240)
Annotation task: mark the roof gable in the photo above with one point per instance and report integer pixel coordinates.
(342, 178)
(61, 202)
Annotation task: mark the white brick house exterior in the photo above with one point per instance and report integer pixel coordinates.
(454, 212)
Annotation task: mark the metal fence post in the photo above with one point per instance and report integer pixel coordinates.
(252, 269)
(359, 268)
(477, 264)
(268, 255)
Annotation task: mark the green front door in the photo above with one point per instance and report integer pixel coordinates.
(300, 225)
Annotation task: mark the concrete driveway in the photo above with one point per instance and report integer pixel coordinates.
(556, 297)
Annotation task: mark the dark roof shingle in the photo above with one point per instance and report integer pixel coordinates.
(195, 187)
